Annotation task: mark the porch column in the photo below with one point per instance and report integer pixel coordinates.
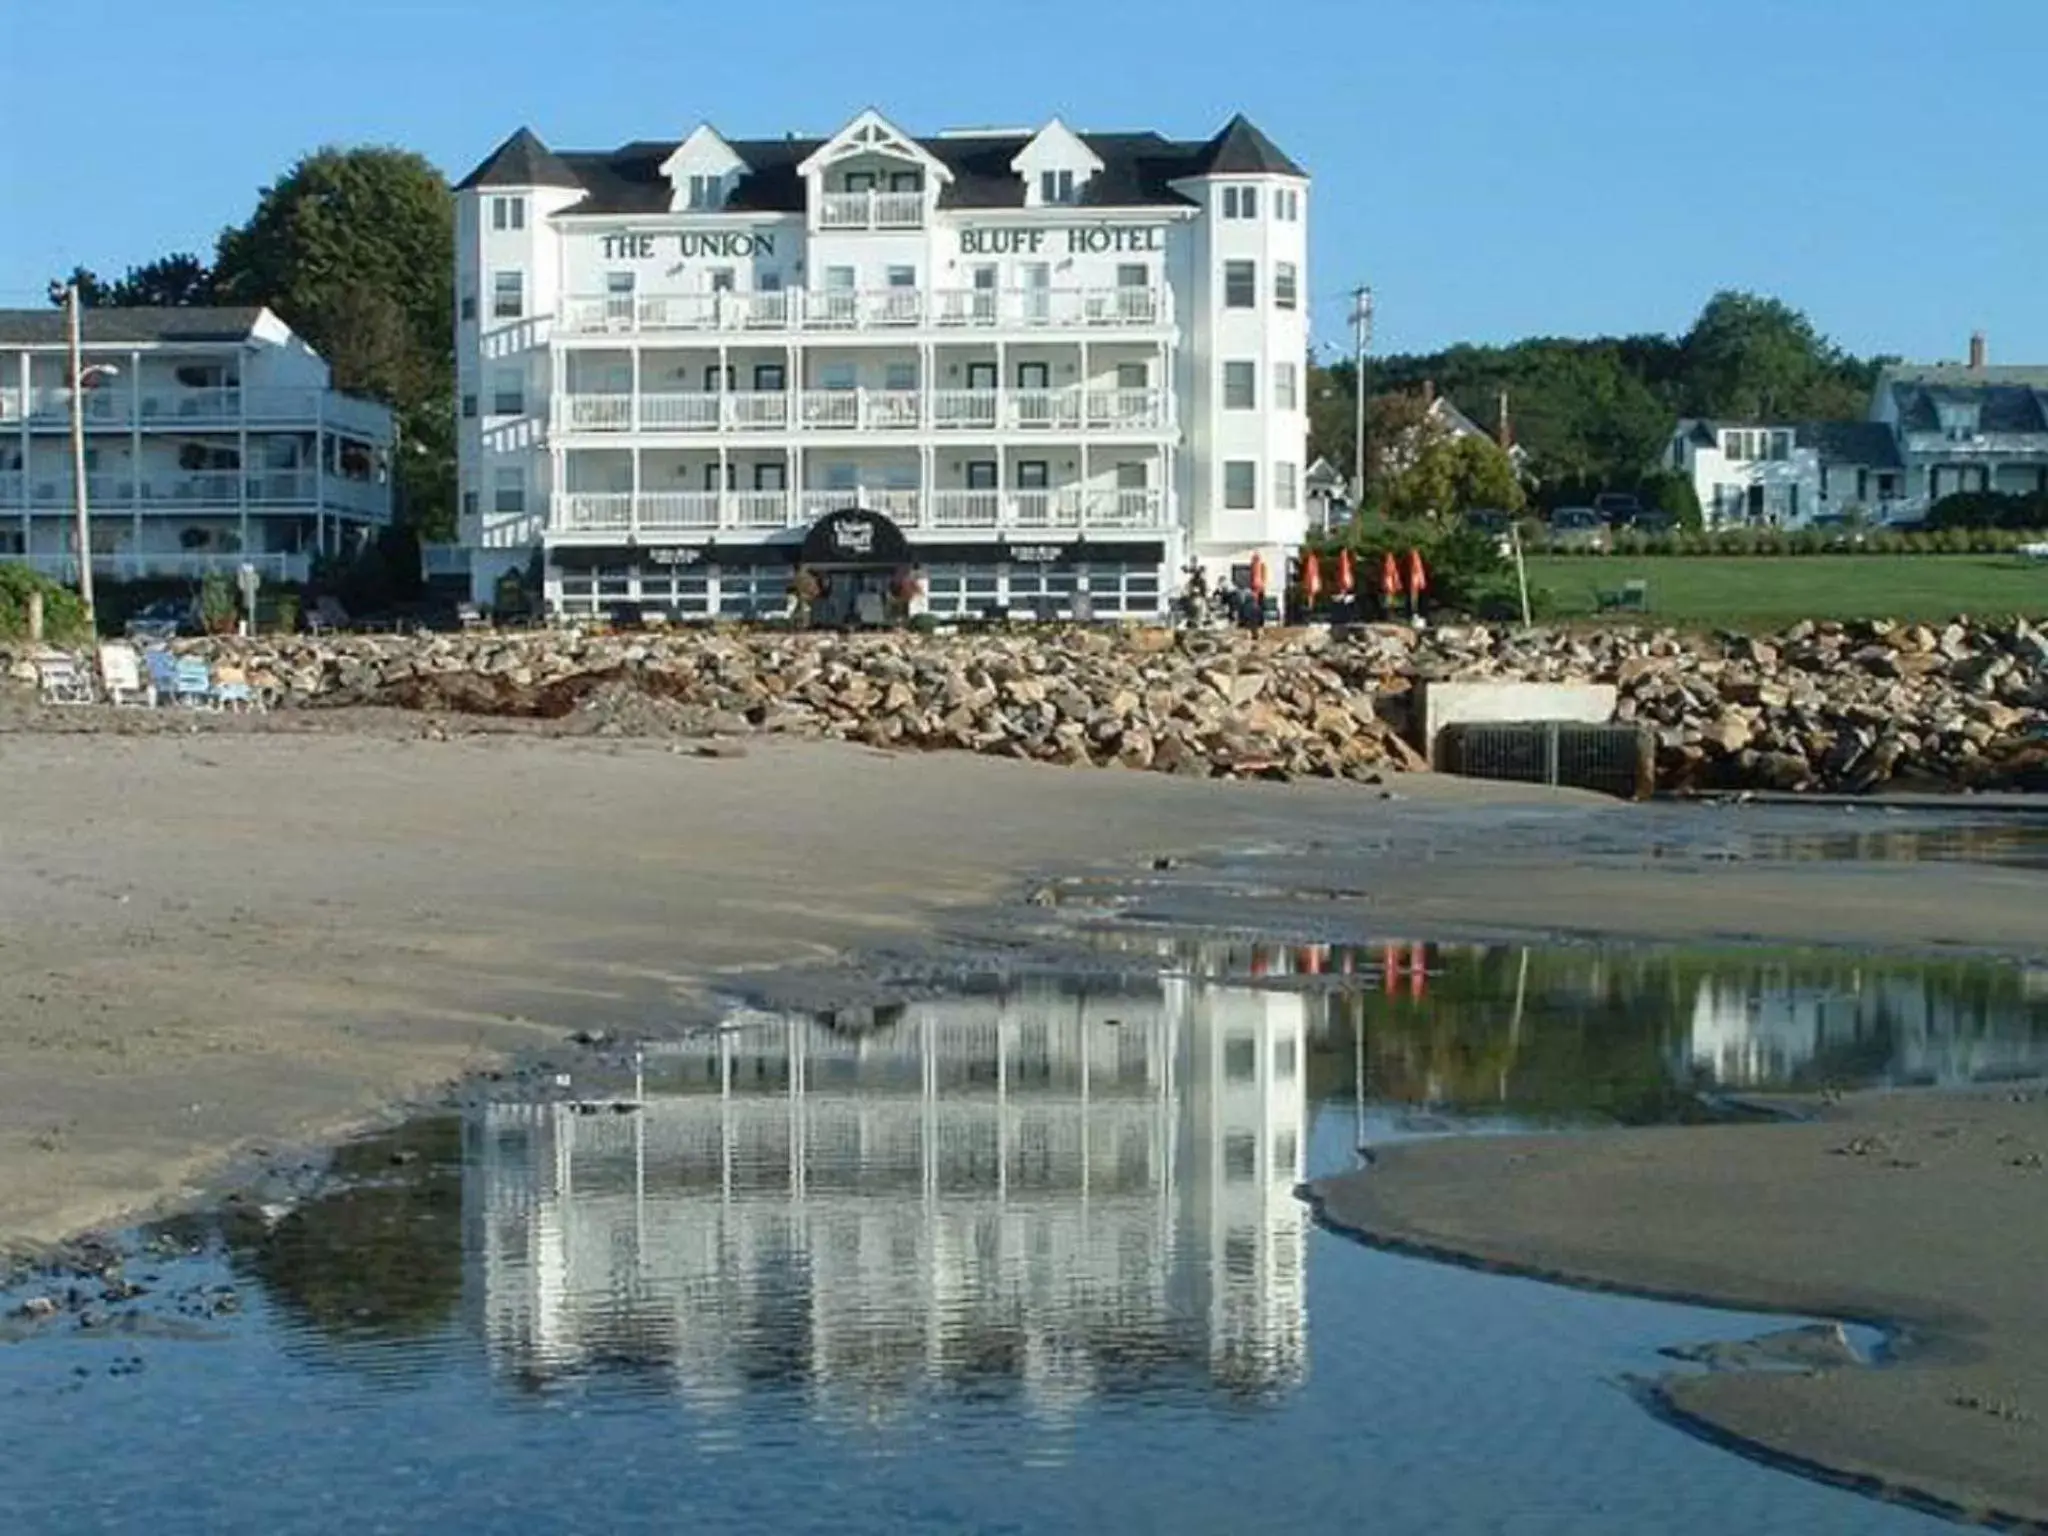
(241, 462)
(24, 443)
(322, 443)
(633, 487)
(135, 450)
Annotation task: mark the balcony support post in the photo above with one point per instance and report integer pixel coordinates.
(633, 485)
(241, 468)
(135, 450)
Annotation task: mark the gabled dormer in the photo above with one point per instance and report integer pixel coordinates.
(702, 172)
(1055, 166)
(871, 175)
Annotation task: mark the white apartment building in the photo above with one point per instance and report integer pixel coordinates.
(1934, 430)
(1043, 368)
(212, 439)
(1067, 1178)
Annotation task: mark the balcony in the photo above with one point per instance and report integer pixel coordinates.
(169, 565)
(840, 310)
(872, 210)
(1072, 409)
(205, 491)
(620, 515)
(117, 405)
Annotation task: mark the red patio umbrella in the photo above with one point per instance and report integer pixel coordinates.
(1311, 578)
(1390, 577)
(1418, 578)
(1258, 576)
(1345, 583)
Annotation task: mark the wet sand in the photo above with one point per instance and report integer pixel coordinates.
(230, 939)
(1927, 1212)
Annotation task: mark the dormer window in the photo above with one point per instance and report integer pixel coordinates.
(1057, 187)
(705, 192)
(1055, 167)
(1958, 418)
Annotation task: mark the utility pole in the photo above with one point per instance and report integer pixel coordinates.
(1361, 337)
(83, 514)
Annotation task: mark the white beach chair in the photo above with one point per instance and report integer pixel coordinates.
(121, 676)
(62, 680)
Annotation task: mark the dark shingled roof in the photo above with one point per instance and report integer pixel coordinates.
(1868, 444)
(1138, 169)
(140, 326)
(2001, 407)
(1241, 150)
(521, 161)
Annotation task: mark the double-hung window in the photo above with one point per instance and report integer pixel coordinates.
(1240, 202)
(1055, 187)
(1240, 285)
(1286, 285)
(508, 295)
(1240, 484)
(508, 213)
(508, 489)
(1287, 386)
(1240, 386)
(508, 392)
(1286, 485)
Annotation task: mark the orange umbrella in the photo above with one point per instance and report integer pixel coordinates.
(1418, 578)
(1258, 576)
(1390, 576)
(1344, 579)
(1311, 577)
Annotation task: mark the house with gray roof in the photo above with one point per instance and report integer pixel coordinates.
(214, 438)
(1934, 430)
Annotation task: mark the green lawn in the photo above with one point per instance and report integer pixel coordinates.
(1771, 591)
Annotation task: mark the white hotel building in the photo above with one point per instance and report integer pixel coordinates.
(213, 439)
(1045, 368)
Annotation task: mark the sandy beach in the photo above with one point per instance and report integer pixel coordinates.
(1922, 1211)
(232, 939)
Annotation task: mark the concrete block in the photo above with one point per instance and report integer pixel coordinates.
(1493, 702)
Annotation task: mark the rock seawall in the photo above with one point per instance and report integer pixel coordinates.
(1820, 707)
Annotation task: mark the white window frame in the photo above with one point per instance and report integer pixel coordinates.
(1240, 384)
(1286, 486)
(508, 214)
(1286, 285)
(1250, 270)
(508, 392)
(512, 307)
(1057, 188)
(1243, 495)
(508, 489)
(1287, 386)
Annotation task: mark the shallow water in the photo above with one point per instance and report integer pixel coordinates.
(1028, 1258)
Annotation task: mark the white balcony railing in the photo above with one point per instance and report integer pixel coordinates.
(884, 309)
(205, 489)
(617, 515)
(872, 210)
(1146, 409)
(123, 405)
(169, 565)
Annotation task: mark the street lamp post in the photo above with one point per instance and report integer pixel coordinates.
(67, 294)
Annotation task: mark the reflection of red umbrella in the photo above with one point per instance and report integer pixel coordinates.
(1311, 576)
(1309, 960)
(1258, 576)
(1390, 967)
(1417, 970)
(1390, 577)
(1344, 579)
(1418, 578)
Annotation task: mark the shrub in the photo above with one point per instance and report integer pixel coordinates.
(217, 602)
(63, 610)
(1989, 509)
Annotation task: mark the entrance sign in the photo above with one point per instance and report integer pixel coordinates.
(855, 536)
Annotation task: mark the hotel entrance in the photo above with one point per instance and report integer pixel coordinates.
(859, 560)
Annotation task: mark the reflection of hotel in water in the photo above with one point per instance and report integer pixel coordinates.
(1076, 1190)
(1898, 1026)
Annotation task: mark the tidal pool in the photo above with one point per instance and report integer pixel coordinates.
(1024, 1258)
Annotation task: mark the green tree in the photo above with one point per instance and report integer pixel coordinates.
(175, 280)
(354, 248)
(1447, 476)
(1751, 358)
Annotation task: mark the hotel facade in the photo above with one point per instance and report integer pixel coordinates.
(1045, 370)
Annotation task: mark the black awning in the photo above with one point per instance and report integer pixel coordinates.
(855, 536)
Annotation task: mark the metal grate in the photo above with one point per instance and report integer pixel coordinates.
(1613, 759)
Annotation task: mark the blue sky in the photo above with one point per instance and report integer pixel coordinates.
(1495, 168)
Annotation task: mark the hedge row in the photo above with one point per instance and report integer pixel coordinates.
(1810, 541)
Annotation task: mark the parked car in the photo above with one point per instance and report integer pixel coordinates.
(1620, 509)
(1652, 521)
(1498, 525)
(1578, 528)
